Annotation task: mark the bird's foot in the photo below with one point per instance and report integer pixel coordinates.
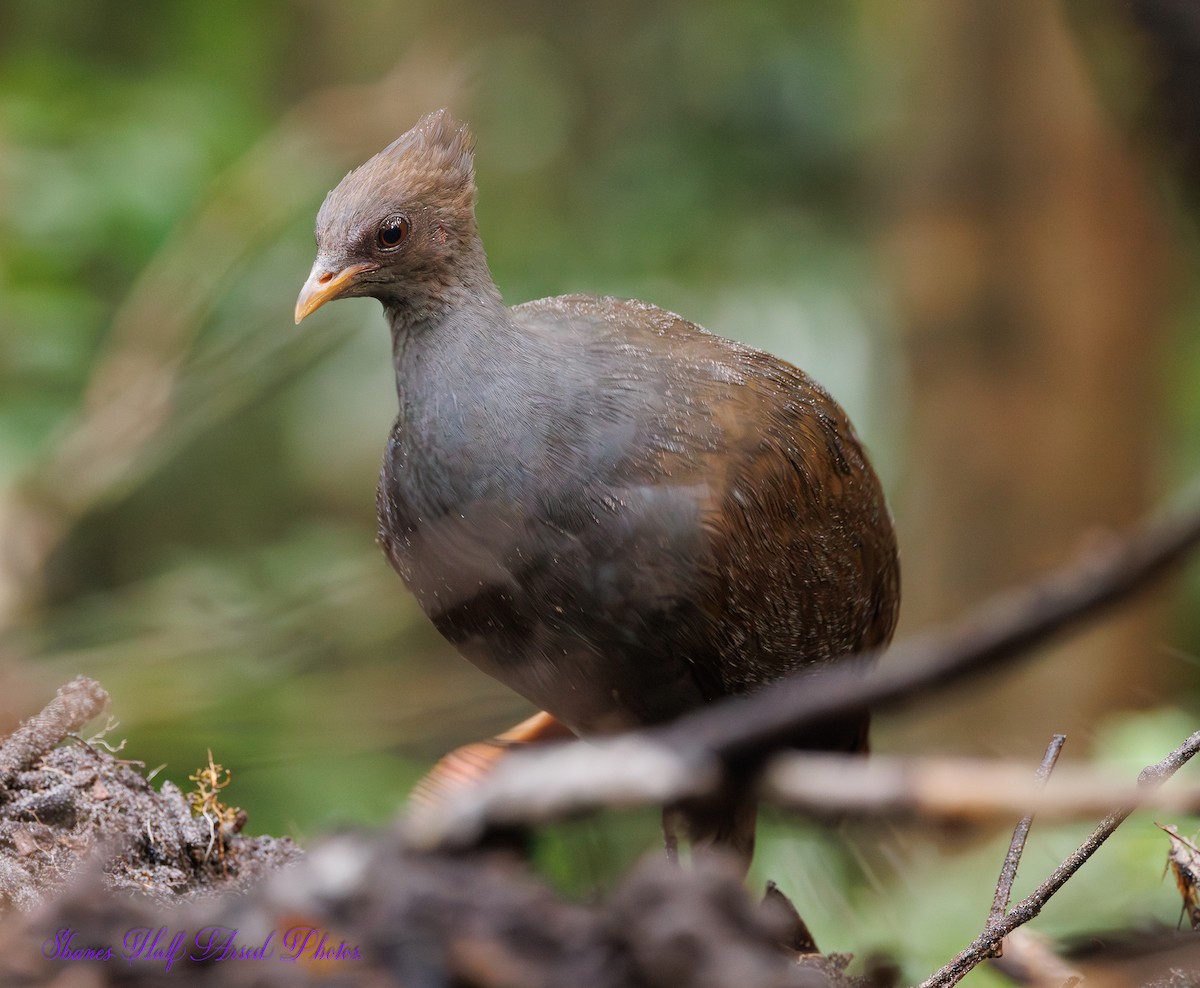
(472, 763)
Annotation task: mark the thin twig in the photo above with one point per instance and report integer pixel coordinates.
(953, 791)
(981, 948)
(1008, 871)
(1029, 960)
(949, 791)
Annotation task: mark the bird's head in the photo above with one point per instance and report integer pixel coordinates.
(401, 227)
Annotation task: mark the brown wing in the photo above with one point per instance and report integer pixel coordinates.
(804, 561)
(800, 566)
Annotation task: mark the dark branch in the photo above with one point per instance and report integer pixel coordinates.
(1000, 631)
(689, 757)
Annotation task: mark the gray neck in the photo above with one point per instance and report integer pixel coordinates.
(458, 311)
(473, 391)
(464, 363)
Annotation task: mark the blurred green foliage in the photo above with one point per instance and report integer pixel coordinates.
(225, 588)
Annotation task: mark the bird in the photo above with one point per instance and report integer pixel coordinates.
(616, 513)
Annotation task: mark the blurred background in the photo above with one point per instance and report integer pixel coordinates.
(972, 222)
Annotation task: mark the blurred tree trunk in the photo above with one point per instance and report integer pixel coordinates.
(1028, 268)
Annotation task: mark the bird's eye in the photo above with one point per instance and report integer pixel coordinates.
(392, 232)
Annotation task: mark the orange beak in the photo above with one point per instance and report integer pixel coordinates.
(324, 285)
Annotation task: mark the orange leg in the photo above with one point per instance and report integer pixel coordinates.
(472, 763)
